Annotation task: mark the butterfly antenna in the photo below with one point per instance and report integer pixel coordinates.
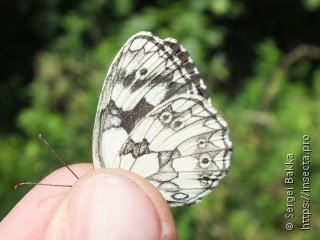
(42, 184)
(48, 184)
(56, 155)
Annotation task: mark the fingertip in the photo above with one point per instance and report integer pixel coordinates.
(113, 202)
(30, 217)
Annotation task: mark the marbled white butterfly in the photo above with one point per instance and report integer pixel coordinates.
(155, 118)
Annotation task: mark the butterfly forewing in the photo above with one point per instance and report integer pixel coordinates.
(145, 72)
(154, 118)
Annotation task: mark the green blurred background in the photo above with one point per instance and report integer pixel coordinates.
(260, 60)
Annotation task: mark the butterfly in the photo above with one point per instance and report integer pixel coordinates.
(155, 118)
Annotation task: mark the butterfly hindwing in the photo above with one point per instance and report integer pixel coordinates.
(146, 72)
(181, 147)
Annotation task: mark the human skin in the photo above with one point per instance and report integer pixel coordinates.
(103, 204)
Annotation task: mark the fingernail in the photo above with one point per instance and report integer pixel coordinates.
(109, 206)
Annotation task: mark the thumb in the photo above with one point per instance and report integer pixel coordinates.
(112, 204)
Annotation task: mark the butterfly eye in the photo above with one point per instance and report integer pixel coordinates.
(143, 71)
(204, 160)
(205, 181)
(177, 124)
(166, 117)
(202, 143)
(179, 196)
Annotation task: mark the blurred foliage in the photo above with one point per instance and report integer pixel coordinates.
(260, 60)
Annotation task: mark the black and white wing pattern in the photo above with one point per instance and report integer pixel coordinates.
(155, 118)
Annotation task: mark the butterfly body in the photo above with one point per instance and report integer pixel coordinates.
(155, 118)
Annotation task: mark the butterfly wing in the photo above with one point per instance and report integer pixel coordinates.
(181, 147)
(146, 72)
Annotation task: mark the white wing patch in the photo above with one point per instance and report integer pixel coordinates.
(154, 118)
